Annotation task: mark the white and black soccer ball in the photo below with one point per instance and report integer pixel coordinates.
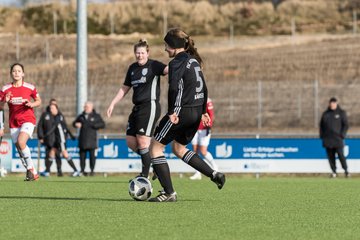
(140, 188)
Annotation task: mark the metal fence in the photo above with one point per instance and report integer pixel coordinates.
(265, 89)
(282, 104)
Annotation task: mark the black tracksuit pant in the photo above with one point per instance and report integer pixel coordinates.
(83, 159)
(332, 158)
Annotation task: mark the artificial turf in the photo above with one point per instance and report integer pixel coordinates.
(246, 208)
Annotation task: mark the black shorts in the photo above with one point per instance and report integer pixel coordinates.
(60, 146)
(184, 131)
(143, 119)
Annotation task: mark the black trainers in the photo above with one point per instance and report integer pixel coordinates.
(30, 176)
(164, 197)
(219, 179)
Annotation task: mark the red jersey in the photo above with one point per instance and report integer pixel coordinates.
(210, 111)
(18, 112)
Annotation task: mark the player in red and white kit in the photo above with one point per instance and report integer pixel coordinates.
(19, 95)
(201, 141)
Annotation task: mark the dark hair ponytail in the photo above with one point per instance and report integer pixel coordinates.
(192, 50)
(176, 38)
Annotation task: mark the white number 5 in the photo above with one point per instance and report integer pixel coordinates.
(198, 79)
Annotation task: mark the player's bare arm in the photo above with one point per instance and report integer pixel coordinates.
(166, 70)
(35, 103)
(120, 95)
(8, 96)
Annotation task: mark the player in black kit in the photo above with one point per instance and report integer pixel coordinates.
(144, 77)
(187, 98)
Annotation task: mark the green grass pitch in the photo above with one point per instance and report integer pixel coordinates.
(247, 208)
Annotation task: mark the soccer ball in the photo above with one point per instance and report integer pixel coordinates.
(3, 172)
(140, 188)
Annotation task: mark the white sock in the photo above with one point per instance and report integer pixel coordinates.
(27, 155)
(210, 160)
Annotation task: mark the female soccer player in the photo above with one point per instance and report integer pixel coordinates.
(22, 120)
(60, 133)
(144, 77)
(187, 97)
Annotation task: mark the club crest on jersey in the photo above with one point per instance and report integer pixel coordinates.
(144, 71)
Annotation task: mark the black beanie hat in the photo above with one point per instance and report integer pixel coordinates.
(333, 99)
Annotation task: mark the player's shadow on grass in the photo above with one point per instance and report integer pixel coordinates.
(85, 181)
(66, 198)
(83, 199)
(69, 181)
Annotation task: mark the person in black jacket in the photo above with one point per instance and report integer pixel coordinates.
(187, 100)
(62, 133)
(89, 122)
(53, 133)
(333, 128)
(46, 138)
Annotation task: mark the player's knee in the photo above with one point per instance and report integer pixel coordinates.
(21, 143)
(131, 143)
(155, 149)
(203, 150)
(143, 142)
(179, 150)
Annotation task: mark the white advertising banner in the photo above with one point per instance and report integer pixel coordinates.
(231, 155)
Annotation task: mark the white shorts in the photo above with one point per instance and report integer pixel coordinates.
(201, 138)
(26, 127)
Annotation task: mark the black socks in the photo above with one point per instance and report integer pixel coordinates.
(162, 170)
(195, 161)
(146, 161)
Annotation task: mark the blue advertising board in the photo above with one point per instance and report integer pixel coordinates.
(275, 148)
(231, 154)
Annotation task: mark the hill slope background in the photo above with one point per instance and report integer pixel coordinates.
(256, 17)
(268, 70)
(258, 84)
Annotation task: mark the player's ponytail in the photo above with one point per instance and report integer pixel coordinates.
(192, 50)
(141, 43)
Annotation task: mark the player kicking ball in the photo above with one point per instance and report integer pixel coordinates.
(187, 100)
(21, 98)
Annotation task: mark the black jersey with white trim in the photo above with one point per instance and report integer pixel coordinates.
(145, 81)
(187, 86)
